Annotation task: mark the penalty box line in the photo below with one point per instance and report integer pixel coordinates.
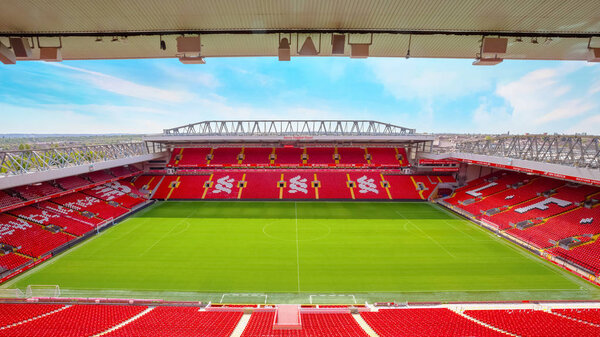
(243, 295)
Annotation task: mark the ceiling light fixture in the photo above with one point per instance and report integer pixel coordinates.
(408, 50)
(6, 55)
(534, 40)
(283, 52)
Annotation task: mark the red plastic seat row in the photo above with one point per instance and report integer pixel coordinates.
(313, 325)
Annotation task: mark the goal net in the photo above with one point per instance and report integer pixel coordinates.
(11, 293)
(42, 291)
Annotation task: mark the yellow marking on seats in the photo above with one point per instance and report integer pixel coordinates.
(439, 179)
(417, 188)
(316, 189)
(281, 188)
(242, 153)
(275, 156)
(206, 188)
(335, 151)
(147, 186)
(241, 188)
(180, 156)
(212, 149)
(387, 189)
(173, 188)
(366, 155)
(351, 188)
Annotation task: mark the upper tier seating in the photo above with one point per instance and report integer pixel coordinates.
(82, 202)
(75, 321)
(180, 321)
(122, 171)
(18, 312)
(8, 200)
(32, 238)
(225, 156)
(36, 191)
(99, 176)
(320, 156)
(424, 322)
(288, 156)
(313, 325)
(48, 217)
(583, 314)
(352, 156)
(257, 156)
(387, 156)
(533, 323)
(192, 157)
(73, 182)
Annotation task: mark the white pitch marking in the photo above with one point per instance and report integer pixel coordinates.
(297, 245)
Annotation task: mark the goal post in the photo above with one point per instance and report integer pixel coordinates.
(42, 291)
(11, 293)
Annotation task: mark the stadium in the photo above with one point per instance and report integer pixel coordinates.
(300, 227)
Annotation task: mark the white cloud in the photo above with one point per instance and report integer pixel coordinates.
(124, 87)
(590, 125)
(539, 101)
(423, 79)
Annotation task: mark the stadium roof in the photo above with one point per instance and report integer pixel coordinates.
(548, 29)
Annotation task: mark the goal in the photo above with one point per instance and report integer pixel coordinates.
(42, 291)
(11, 293)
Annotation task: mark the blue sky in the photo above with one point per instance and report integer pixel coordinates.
(431, 95)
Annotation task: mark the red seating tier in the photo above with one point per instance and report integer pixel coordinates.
(181, 321)
(7, 200)
(533, 323)
(73, 182)
(313, 325)
(288, 156)
(225, 156)
(82, 202)
(583, 314)
(257, 155)
(32, 238)
(320, 155)
(424, 322)
(77, 320)
(69, 213)
(99, 176)
(18, 312)
(47, 217)
(352, 155)
(12, 261)
(36, 191)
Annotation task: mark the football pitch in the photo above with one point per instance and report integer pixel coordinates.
(319, 252)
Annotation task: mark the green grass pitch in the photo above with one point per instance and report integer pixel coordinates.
(292, 250)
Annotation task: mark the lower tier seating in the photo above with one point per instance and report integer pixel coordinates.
(75, 321)
(313, 325)
(32, 239)
(180, 321)
(18, 312)
(47, 217)
(586, 315)
(424, 322)
(11, 261)
(293, 184)
(534, 323)
(82, 202)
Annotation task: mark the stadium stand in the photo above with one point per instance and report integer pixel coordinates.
(586, 255)
(116, 192)
(424, 322)
(32, 239)
(180, 321)
(352, 156)
(99, 176)
(11, 313)
(31, 192)
(386, 156)
(69, 213)
(257, 156)
(288, 156)
(82, 202)
(526, 322)
(192, 157)
(7, 199)
(72, 182)
(313, 325)
(75, 320)
(583, 314)
(320, 156)
(46, 217)
(225, 156)
(11, 261)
